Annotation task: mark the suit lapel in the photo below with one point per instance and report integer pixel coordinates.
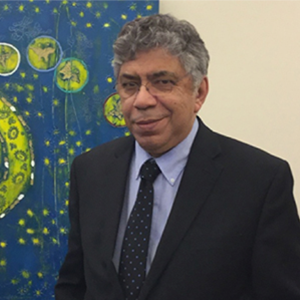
(111, 190)
(115, 187)
(197, 182)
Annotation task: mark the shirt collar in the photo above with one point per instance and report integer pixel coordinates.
(171, 163)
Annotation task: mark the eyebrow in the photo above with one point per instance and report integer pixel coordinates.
(128, 76)
(150, 76)
(162, 73)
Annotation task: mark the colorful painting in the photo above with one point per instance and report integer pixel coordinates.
(57, 100)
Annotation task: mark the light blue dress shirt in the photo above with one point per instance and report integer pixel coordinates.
(166, 185)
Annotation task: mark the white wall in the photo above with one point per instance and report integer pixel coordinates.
(254, 71)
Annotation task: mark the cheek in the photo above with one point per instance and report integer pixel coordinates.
(125, 108)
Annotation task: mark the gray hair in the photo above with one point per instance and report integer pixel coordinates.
(179, 37)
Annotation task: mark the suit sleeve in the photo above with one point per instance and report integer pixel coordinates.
(71, 282)
(276, 253)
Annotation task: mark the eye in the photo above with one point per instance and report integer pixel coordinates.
(164, 82)
(163, 85)
(129, 85)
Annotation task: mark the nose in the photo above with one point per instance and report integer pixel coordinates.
(144, 99)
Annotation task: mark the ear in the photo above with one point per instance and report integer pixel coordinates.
(201, 94)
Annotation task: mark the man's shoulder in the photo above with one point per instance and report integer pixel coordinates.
(108, 150)
(247, 158)
(240, 153)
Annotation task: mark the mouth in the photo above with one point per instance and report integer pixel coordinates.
(149, 124)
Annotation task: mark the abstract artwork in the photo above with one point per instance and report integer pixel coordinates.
(57, 100)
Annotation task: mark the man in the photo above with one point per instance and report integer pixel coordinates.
(224, 224)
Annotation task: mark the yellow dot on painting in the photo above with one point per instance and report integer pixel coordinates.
(74, 3)
(30, 213)
(40, 275)
(14, 281)
(73, 23)
(88, 132)
(54, 241)
(124, 17)
(21, 222)
(139, 16)
(81, 14)
(78, 143)
(62, 143)
(45, 212)
(37, 10)
(149, 7)
(21, 8)
(88, 25)
(89, 4)
(63, 230)
(55, 11)
(55, 102)
(65, 2)
(47, 1)
(127, 133)
(109, 80)
(7, 85)
(106, 25)
(71, 151)
(30, 87)
(133, 7)
(25, 274)
(67, 202)
(6, 7)
(87, 149)
(67, 184)
(15, 99)
(72, 133)
(18, 88)
(3, 244)
(61, 161)
(61, 212)
(29, 100)
(45, 89)
(47, 143)
(30, 231)
(38, 292)
(27, 113)
(22, 241)
(39, 114)
(96, 89)
(35, 241)
(98, 14)
(46, 231)
(2, 263)
(35, 76)
(23, 74)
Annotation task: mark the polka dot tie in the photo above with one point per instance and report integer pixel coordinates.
(132, 269)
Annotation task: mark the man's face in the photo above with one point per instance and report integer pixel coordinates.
(159, 121)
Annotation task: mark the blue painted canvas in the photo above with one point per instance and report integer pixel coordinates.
(57, 100)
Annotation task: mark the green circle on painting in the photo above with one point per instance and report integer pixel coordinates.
(71, 75)
(113, 112)
(9, 59)
(44, 53)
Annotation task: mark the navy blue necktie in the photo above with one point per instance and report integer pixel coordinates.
(132, 269)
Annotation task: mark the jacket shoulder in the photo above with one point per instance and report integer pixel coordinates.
(107, 151)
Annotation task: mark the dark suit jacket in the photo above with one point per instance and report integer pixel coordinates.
(233, 232)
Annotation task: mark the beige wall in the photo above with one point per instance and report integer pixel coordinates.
(254, 71)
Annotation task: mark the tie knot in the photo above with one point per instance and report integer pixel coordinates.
(149, 170)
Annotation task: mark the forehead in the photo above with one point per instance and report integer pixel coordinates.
(151, 62)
